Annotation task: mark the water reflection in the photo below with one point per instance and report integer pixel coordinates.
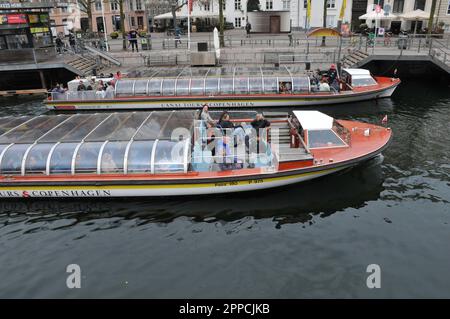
(294, 204)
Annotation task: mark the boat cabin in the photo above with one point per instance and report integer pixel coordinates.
(319, 130)
(358, 77)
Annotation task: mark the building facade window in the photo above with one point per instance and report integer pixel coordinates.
(224, 5)
(448, 7)
(419, 4)
(331, 4)
(237, 4)
(207, 6)
(138, 4)
(237, 22)
(98, 6)
(330, 21)
(305, 4)
(398, 6)
(132, 21)
(269, 4)
(114, 6)
(131, 5)
(140, 22)
(286, 4)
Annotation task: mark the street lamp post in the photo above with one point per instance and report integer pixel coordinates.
(104, 26)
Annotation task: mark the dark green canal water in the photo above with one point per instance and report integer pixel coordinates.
(308, 240)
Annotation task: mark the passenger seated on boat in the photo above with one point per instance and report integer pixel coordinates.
(259, 123)
(206, 117)
(100, 93)
(81, 86)
(288, 87)
(324, 86)
(226, 159)
(108, 164)
(109, 93)
(224, 121)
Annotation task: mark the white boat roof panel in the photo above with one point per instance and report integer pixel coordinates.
(314, 120)
(357, 72)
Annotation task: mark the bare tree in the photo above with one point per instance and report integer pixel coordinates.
(325, 3)
(86, 7)
(221, 24)
(430, 20)
(120, 4)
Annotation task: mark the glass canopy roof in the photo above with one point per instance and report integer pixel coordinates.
(214, 81)
(128, 142)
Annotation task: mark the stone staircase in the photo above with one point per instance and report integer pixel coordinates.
(82, 63)
(279, 135)
(354, 59)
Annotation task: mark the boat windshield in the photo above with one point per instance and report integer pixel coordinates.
(325, 138)
(363, 81)
(114, 143)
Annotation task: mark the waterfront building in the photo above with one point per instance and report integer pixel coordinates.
(400, 7)
(24, 26)
(291, 12)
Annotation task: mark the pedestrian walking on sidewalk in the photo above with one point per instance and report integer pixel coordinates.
(248, 28)
(133, 34)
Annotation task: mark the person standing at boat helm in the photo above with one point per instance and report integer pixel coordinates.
(332, 74)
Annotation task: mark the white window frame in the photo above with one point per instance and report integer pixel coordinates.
(331, 4)
(138, 5)
(98, 5)
(237, 5)
(114, 6)
(269, 4)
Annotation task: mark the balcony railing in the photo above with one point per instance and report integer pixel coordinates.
(22, 56)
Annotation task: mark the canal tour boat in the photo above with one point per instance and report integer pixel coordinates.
(167, 153)
(224, 88)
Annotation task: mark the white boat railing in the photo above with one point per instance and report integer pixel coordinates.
(81, 95)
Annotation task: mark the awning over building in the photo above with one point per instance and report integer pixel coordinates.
(373, 15)
(182, 13)
(416, 15)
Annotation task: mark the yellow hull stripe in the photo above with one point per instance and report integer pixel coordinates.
(218, 184)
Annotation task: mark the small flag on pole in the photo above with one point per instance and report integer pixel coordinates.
(385, 119)
(342, 13)
(308, 10)
(190, 2)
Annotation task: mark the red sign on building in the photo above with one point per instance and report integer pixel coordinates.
(17, 19)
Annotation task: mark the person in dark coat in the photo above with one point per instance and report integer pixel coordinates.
(248, 28)
(332, 74)
(133, 35)
(259, 123)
